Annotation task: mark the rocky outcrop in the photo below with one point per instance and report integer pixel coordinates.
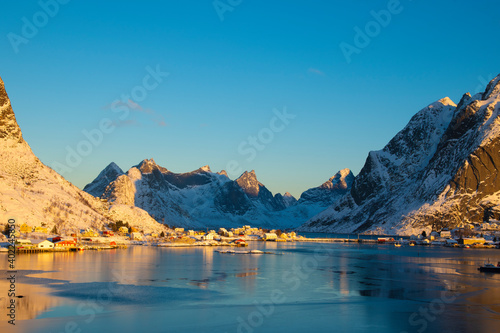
(201, 198)
(33, 193)
(9, 129)
(331, 190)
(440, 170)
(108, 175)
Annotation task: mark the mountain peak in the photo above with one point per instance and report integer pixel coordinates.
(205, 168)
(249, 183)
(113, 167)
(493, 88)
(223, 173)
(148, 165)
(8, 124)
(287, 194)
(446, 101)
(343, 179)
(108, 175)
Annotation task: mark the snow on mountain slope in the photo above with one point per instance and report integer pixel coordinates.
(201, 198)
(287, 199)
(108, 175)
(330, 190)
(33, 193)
(440, 170)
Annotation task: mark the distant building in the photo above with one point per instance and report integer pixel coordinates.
(385, 239)
(270, 236)
(208, 237)
(43, 230)
(445, 234)
(470, 241)
(136, 236)
(450, 242)
(179, 229)
(23, 242)
(65, 243)
(25, 228)
(89, 233)
(434, 235)
(42, 244)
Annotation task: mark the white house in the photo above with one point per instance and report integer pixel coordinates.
(136, 236)
(445, 234)
(450, 242)
(270, 236)
(42, 244)
(208, 237)
(434, 235)
(23, 242)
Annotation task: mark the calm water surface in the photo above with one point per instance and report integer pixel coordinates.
(300, 287)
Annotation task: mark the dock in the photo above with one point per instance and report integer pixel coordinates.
(337, 240)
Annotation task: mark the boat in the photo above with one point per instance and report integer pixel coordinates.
(397, 244)
(489, 268)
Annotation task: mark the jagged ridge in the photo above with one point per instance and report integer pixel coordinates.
(440, 170)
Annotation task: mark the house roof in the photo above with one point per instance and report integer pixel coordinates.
(38, 241)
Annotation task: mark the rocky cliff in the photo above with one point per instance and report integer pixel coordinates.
(33, 193)
(440, 170)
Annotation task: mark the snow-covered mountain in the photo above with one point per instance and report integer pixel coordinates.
(441, 170)
(33, 193)
(202, 198)
(109, 174)
(330, 191)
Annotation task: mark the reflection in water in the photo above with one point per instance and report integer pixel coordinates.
(32, 299)
(358, 287)
(246, 274)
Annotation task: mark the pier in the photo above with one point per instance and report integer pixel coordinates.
(337, 240)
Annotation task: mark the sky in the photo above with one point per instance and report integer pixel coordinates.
(295, 90)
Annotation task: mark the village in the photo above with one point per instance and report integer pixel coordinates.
(38, 239)
(29, 239)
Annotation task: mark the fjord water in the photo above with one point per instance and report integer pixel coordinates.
(301, 287)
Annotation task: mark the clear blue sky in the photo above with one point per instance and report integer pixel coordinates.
(227, 76)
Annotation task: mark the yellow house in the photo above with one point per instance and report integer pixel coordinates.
(42, 230)
(123, 230)
(90, 233)
(25, 228)
(470, 241)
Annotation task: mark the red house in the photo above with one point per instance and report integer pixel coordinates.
(65, 243)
